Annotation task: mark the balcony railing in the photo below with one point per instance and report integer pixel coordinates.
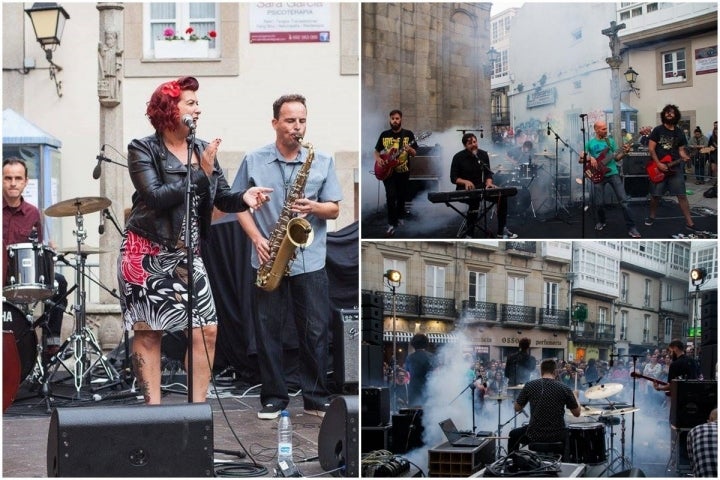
(404, 304)
(473, 311)
(594, 331)
(438, 306)
(553, 317)
(517, 314)
(524, 248)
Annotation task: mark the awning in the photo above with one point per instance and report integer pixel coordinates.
(442, 338)
(17, 130)
(401, 336)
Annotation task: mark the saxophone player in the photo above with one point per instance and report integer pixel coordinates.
(306, 181)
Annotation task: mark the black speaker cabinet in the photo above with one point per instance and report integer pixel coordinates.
(371, 299)
(371, 361)
(407, 430)
(691, 402)
(375, 406)
(338, 442)
(637, 186)
(346, 343)
(708, 359)
(131, 441)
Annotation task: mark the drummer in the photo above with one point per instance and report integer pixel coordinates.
(22, 224)
(521, 153)
(548, 398)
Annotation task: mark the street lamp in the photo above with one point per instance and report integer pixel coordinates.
(393, 278)
(631, 77)
(698, 276)
(48, 21)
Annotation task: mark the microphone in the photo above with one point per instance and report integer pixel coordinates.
(583, 115)
(98, 169)
(188, 121)
(548, 131)
(101, 227)
(611, 362)
(33, 237)
(61, 258)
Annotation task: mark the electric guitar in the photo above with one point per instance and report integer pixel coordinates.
(390, 158)
(597, 174)
(656, 175)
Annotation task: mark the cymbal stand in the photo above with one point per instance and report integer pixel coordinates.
(470, 386)
(82, 344)
(625, 463)
(501, 426)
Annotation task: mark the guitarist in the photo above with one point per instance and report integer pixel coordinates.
(601, 152)
(396, 185)
(667, 142)
(681, 368)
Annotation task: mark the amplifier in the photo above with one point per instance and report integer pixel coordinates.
(346, 341)
(375, 406)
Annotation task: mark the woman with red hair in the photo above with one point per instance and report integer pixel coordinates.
(152, 266)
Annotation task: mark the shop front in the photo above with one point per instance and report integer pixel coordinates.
(497, 343)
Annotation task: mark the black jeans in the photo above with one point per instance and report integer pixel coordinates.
(472, 214)
(396, 191)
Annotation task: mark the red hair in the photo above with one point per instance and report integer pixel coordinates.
(162, 109)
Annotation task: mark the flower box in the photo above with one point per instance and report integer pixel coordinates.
(182, 48)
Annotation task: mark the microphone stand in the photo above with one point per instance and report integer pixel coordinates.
(103, 158)
(583, 118)
(189, 187)
(557, 162)
(470, 386)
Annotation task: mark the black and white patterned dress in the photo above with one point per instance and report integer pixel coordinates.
(153, 284)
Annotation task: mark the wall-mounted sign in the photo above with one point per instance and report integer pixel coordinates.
(289, 22)
(540, 97)
(706, 60)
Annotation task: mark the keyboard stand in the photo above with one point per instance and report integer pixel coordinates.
(467, 230)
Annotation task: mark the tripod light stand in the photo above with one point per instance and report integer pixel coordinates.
(393, 278)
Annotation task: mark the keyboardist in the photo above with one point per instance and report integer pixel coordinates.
(470, 170)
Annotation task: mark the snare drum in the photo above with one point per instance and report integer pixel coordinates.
(30, 273)
(586, 443)
(15, 321)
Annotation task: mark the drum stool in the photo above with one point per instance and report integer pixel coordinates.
(557, 448)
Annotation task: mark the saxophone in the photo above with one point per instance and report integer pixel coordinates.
(289, 232)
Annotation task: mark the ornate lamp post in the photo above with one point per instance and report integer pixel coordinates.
(393, 278)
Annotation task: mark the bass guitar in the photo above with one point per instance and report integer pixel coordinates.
(656, 175)
(390, 158)
(597, 174)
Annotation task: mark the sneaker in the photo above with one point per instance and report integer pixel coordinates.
(599, 226)
(633, 232)
(269, 412)
(508, 234)
(649, 221)
(390, 231)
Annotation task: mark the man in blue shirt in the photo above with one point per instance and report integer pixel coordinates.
(276, 165)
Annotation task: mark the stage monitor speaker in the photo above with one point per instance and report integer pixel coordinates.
(691, 402)
(708, 360)
(135, 441)
(375, 406)
(346, 342)
(634, 163)
(371, 362)
(637, 186)
(338, 442)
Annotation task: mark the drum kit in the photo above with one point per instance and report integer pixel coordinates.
(30, 280)
(522, 176)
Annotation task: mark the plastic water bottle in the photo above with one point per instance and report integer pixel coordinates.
(284, 438)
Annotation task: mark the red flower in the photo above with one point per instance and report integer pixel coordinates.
(132, 269)
(171, 89)
(189, 30)
(212, 34)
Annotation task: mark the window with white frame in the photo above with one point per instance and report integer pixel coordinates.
(674, 66)
(648, 284)
(624, 287)
(435, 281)
(516, 291)
(623, 325)
(477, 286)
(668, 329)
(201, 17)
(707, 259)
(646, 329)
(551, 297)
(400, 266)
(668, 292)
(602, 319)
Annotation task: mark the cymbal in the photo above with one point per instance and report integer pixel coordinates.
(517, 387)
(603, 391)
(590, 412)
(619, 411)
(82, 205)
(498, 397)
(85, 250)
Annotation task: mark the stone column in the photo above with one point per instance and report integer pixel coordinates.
(615, 61)
(105, 315)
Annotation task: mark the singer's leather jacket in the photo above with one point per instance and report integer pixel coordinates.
(160, 189)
